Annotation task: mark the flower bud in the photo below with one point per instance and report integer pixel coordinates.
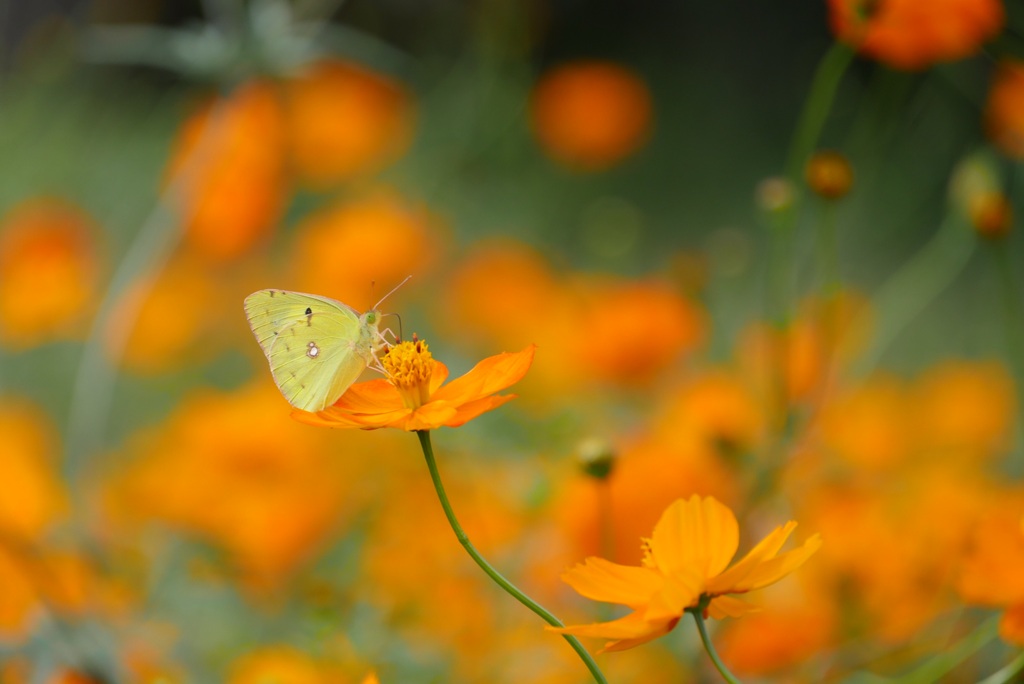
(774, 194)
(829, 175)
(991, 215)
(596, 457)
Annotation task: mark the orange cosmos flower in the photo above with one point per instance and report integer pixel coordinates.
(343, 121)
(990, 573)
(233, 150)
(413, 397)
(912, 34)
(287, 665)
(392, 236)
(231, 469)
(48, 272)
(1004, 110)
(684, 568)
(591, 115)
(35, 499)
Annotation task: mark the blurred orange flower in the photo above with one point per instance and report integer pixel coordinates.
(414, 396)
(866, 425)
(791, 627)
(169, 318)
(897, 585)
(377, 238)
(684, 567)
(287, 665)
(633, 329)
(344, 121)
(34, 581)
(589, 115)
(499, 270)
(991, 570)
(647, 477)
(1004, 110)
(233, 156)
(965, 409)
(48, 271)
(232, 469)
(913, 34)
(718, 408)
(34, 498)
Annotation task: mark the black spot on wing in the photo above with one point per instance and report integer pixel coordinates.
(309, 311)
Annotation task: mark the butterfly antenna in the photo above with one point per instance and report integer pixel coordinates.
(377, 305)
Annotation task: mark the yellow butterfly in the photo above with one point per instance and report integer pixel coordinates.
(317, 347)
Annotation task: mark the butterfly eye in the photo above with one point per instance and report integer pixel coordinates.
(309, 311)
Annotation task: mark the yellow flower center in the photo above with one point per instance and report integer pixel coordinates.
(409, 366)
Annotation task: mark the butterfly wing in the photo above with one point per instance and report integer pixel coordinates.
(311, 342)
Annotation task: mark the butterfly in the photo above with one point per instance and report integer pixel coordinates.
(317, 347)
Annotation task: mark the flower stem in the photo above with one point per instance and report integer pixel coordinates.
(812, 119)
(936, 668)
(1007, 673)
(918, 282)
(1013, 309)
(499, 579)
(698, 617)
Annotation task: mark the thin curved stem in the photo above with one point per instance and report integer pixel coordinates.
(812, 118)
(93, 388)
(499, 579)
(1013, 310)
(936, 668)
(918, 282)
(698, 617)
(1007, 673)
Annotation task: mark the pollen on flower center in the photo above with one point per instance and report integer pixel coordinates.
(409, 366)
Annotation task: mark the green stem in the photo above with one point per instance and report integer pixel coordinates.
(938, 667)
(812, 119)
(1013, 312)
(917, 283)
(499, 579)
(93, 389)
(1007, 673)
(783, 229)
(828, 254)
(698, 617)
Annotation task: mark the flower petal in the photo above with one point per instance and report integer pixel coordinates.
(677, 594)
(342, 419)
(627, 632)
(1011, 625)
(372, 396)
(765, 549)
(602, 580)
(657, 630)
(438, 376)
(695, 535)
(774, 569)
(491, 375)
(338, 420)
(468, 412)
(730, 606)
(427, 417)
